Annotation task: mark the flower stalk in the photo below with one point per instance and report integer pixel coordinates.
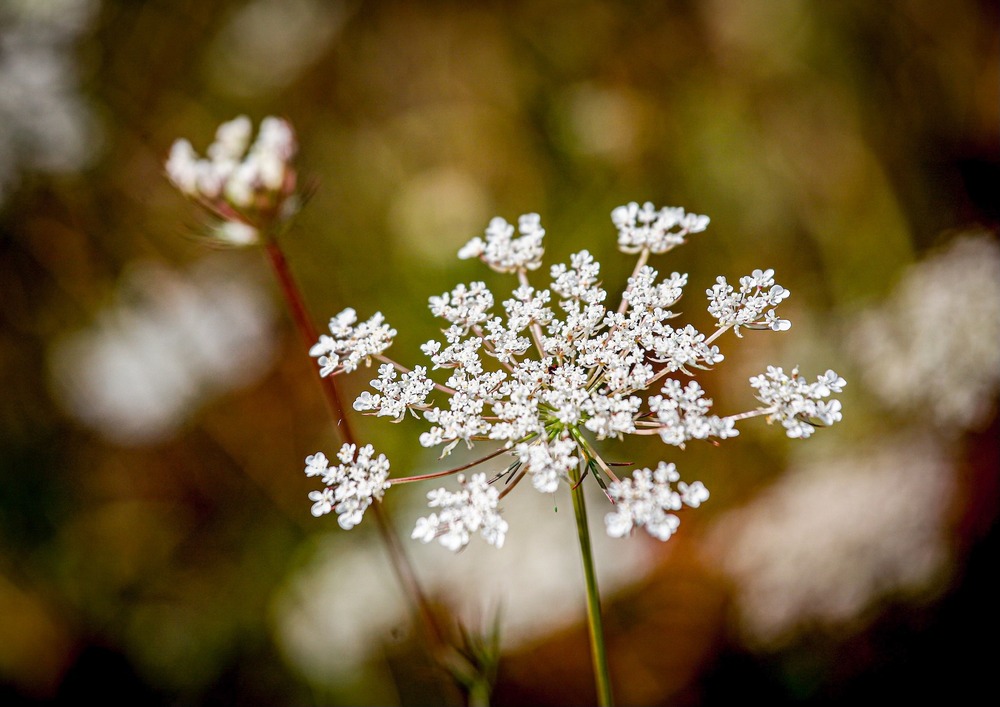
(595, 625)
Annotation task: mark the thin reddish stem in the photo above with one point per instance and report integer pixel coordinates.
(399, 560)
(447, 472)
(309, 334)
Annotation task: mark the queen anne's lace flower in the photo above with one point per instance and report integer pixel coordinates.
(351, 486)
(557, 369)
(473, 509)
(558, 366)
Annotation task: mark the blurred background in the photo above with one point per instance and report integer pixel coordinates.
(156, 406)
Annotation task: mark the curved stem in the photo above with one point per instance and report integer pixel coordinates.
(446, 472)
(308, 333)
(398, 559)
(598, 652)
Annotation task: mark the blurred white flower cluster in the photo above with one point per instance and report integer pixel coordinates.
(47, 125)
(556, 369)
(336, 604)
(833, 537)
(941, 327)
(168, 342)
(249, 187)
(827, 540)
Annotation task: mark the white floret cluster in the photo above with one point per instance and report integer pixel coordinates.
(349, 343)
(800, 406)
(472, 509)
(554, 370)
(745, 308)
(351, 486)
(505, 253)
(246, 185)
(657, 230)
(647, 498)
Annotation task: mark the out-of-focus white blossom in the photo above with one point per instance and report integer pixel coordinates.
(351, 486)
(168, 342)
(472, 509)
(829, 539)
(338, 604)
(45, 124)
(248, 186)
(932, 347)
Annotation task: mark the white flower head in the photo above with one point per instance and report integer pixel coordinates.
(656, 230)
(351, 486)
(504, 253)
(553, 368)
(647, 500)
(249, 186)
(349, 343)
(471, 509)
(797, 404)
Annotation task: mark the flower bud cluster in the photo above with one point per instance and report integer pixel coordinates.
(248, 186)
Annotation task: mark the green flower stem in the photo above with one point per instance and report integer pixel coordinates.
(598, 652)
